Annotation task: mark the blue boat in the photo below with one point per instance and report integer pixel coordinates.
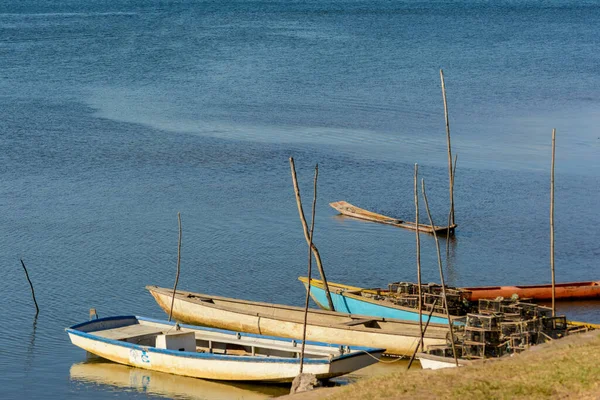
(351, 300)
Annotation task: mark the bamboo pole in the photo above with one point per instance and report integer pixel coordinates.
(450, 174)
(437, 245)
(418, 257)
(306, 235)
(552, 224)
(37, 309)
(178, 266)
(412, 358)
(312, 229)
(450, 213)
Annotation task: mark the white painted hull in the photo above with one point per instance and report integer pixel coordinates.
(204, 313)
(429, 361)
(218, 366)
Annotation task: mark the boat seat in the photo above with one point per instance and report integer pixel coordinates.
(129, 332)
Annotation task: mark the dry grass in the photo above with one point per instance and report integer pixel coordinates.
(566, 368)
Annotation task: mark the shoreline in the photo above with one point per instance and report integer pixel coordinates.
(565, 368)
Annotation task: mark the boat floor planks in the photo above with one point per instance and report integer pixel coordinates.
(350, 210)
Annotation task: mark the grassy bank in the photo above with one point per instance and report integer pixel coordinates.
(566, 368)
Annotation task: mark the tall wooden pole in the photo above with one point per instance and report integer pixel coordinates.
(552, 224)
(307, 236)
(418, 256)
(450, 174)
(450, 214)
(312, 229)
(178, 266)
(37, 309)
(437, 245)
(412, 358)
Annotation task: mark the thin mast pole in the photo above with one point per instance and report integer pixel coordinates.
(312, 229)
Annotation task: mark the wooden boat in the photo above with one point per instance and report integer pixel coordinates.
(349, 210)
(355, 300)
(397, 337)
(564, 291)
(213, 354)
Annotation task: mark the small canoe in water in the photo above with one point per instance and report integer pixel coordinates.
(564, 291)
(349, 210)
(212, 353)
(397, 337)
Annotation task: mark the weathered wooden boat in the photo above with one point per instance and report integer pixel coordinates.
(215, 354)
(350, 210)
(563, 291)
(376, 302)
(397, 337)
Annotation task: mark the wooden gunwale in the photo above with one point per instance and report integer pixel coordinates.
(350, 210)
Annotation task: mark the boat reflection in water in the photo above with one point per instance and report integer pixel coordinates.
(100, 371)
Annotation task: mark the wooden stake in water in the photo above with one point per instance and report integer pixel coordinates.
(552, 224)
(307, 236)
(312, 229)
(450, 175)
(37, 309)
(450, 213)
(178, 266)
(437, 245)
(418, 256)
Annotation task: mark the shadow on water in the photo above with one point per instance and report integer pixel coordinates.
(31, 347)
(96, 370)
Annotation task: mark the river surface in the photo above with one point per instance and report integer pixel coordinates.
(116, 115)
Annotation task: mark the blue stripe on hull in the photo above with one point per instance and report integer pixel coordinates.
(353, 306)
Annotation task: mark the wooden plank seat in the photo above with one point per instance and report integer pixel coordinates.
(129, 332)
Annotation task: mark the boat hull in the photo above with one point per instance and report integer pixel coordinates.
(346, 302)
(349, 210)
(397, 337)
(218, 366)
(564, 291)
(429, 361)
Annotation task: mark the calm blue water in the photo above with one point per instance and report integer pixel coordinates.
(116, 115)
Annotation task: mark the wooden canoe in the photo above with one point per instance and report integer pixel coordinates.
(564, 291)
(397, 337)
(355, 300)
(215, 354)
(349, 210)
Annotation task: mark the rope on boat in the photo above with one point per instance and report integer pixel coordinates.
(380, 360)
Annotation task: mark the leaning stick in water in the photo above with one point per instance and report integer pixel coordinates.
(450, 213)
(178, 266)
(306, 235)
(37, 309)
(437, 245)
(312, 229)
(450, 174)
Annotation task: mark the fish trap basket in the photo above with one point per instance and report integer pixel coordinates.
(483, 321)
